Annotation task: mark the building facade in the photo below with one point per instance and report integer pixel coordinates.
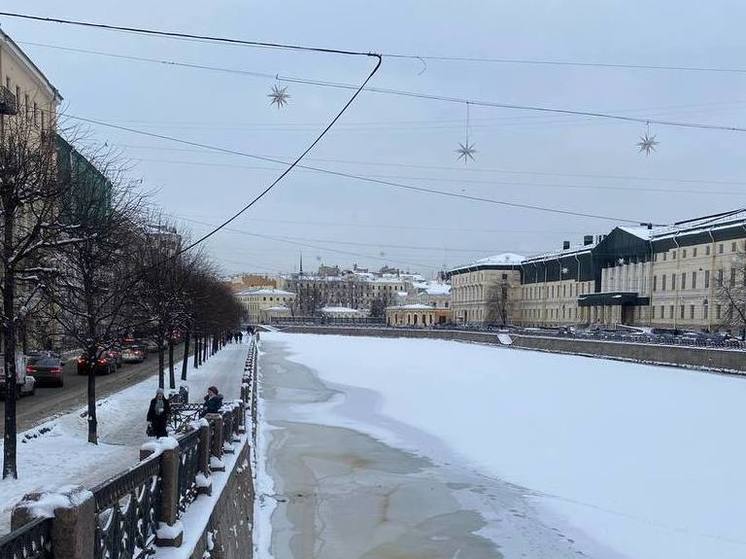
(483, 291)
(688, 275)
(255, 301)
(417, 315)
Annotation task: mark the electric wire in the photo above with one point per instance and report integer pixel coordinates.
(355, 177)
(388, 91)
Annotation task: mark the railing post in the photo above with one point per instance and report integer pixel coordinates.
(203, 453)
(169, 534)
(241, 417)
(228, 433)
(73, 524)
(216, 442)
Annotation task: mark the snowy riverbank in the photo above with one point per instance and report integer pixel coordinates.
(622, 459)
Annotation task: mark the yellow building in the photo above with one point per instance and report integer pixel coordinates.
(25, 92)
(416, 315)
(257, 300)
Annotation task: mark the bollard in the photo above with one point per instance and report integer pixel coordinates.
(170, 532)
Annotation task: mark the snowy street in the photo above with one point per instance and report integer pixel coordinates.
(57, 453)
(528, 453)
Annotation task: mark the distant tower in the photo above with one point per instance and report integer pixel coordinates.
(300, 271)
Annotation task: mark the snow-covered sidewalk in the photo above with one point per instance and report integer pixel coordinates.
(644, 462)
(57, 452)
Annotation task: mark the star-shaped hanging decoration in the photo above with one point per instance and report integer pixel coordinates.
(647, 143)
(466, 151)
(279, 96)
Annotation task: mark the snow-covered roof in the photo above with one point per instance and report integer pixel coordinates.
(339, 310)
(412, 307)
(276, 309)
(504, 259)
(265, 291)
(433, 287)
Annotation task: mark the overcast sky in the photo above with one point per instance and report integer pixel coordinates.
(565, 162)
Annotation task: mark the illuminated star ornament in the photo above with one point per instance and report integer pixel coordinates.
(466, 150)
(647, 142)
(279, 96)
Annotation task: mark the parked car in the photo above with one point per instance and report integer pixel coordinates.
(25, 384)
(46, 368)
(104, 365)
(133, 354)
(151, 346)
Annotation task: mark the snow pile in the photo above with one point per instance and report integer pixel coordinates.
(166, 532)
(645, 460)
(202, 480)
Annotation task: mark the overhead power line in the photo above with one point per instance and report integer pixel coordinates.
(387, 91)
(356, 177)
(405, 56)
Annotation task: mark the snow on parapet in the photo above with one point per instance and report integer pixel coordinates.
(157, 446)
(68, 496)
(504, 259)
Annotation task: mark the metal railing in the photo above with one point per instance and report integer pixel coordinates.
(127, 509)
(31, 541)
(188, 469)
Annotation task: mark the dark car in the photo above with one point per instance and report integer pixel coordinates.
(46, 368)
(104, 365)
(133, 354)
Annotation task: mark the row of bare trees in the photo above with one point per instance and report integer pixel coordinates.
(82, 266)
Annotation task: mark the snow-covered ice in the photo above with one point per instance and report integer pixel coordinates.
(57, 453)
(647, 461)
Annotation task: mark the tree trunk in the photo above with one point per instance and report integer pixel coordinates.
(9, 341)
(185, 361)
(205, 341)
(91, 395)
(197, 350)
(161, 365)
(171, 373)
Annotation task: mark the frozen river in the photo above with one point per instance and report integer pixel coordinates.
(416, 448)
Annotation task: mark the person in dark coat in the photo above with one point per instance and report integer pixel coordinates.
(213, 401)
(158, 415)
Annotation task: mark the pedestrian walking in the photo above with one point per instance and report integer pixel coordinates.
(213, 401)
(158, 413)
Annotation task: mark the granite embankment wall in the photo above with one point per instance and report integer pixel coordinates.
(720, 360)
(228, 532)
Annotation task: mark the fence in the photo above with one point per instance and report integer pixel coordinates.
(139, 508)
(328, 320)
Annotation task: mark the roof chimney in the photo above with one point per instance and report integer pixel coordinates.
(565, 245)
(587, 240)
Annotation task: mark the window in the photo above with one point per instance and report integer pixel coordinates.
(733, 247)
(694, 280)
(732, 277)
(655, 257)
(670, 312)
(564, 291)
(683, 254)
(665, 255)
(682, 311)
(694, 252)
(720, 248)
(28, 106)
(673, 282)
(663, 282)
(655, 283)
(673, 255)
(718, 311)
(707, 250)
(652, 312)
(720, 276)
(705, 310)
(505, 276)
(683, 280)
(707, 279)
(18, 98)
(663, 312)
(691, 312)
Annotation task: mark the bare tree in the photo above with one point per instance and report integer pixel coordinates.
(731, 294)
(30, 232)
(90, 300)
(498, 303)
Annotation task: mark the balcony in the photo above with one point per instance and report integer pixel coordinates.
(8, 105)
